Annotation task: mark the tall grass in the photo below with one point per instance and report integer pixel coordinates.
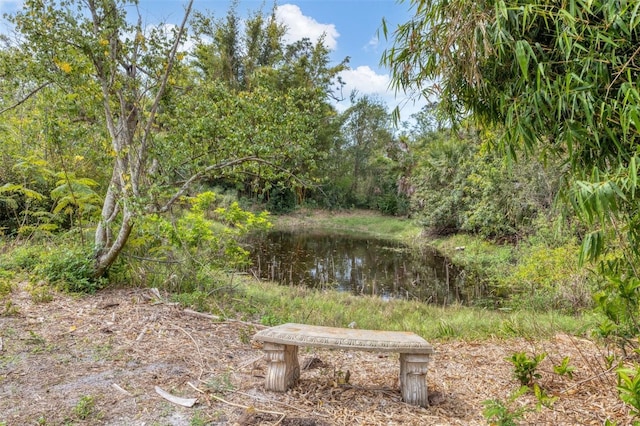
(272, 304)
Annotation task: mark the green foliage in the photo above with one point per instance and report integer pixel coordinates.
(220, 384)
(24, 257)
(185, 254)
(564, 369)
(6, 284)
(619, 301)
(503, 413)
(525, 367)
(542, 398)
(24, 207)
(40, 292)
(281, 200)
(560, 83)
(272, 305)
(75, 196)
(70, 269)
(460, 185)
(629, 388)
(85, 407)
(197, 300)
(272, 320)
(547, 277)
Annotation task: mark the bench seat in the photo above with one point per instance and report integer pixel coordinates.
(281, 351)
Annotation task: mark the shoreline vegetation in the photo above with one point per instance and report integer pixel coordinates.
(480, 322)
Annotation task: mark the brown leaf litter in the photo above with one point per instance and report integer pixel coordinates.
(98, 360)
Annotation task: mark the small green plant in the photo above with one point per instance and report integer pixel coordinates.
(544, 400)
(525, 367)
(39, 343)
(564, 369)
(220, 384)
(35, 339)
(40, 293)
(84, 407)
(6, 286)
(10, 310)
(198, 420)
(197, 300)
(445, 330)
(503, 413)
(245, 333)
(271, 320)
(629, 388)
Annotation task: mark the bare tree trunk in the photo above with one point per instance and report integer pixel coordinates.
(129, 138)
(111, 253)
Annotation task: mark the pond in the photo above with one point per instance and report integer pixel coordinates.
(360, 265)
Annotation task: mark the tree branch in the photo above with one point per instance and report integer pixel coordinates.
(196, 177)
(26, 98)
(165, 79)
(223, 165)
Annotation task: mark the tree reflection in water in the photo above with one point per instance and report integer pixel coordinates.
(360, 265)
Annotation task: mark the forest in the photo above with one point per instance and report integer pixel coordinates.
(133, 159)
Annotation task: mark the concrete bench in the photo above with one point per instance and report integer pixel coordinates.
(281, 352)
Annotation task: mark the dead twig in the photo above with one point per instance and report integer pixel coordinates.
(142, 333)
(233, 404)
(588, 379)
(273, 401)
(202, 363)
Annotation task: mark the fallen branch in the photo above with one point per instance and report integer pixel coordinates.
(185, 402)
(121, 390)
(201, 314)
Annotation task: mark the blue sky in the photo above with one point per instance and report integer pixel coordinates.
(350, 26)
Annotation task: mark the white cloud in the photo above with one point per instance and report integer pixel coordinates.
(365, 80)
(373, 44)
(300, 26)
(368, 82)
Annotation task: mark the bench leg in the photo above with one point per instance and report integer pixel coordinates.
(413, 379)
(283, 369)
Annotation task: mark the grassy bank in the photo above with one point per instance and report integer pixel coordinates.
(272, 304)
(359, 222)
(543, 291)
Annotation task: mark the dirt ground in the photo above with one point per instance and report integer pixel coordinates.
(99, 360)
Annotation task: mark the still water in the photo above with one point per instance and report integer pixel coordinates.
(359, 265)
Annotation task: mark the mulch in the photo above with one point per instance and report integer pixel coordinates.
(114, 348)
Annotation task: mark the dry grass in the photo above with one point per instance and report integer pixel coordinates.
(115, 347)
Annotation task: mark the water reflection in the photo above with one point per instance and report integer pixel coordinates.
(360, 266)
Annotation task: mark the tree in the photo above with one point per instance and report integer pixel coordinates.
(223, 52)
(366, 129)
(127, 70)
(560, 79)
(155, 148)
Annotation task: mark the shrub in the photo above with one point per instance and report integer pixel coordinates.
(71, 269)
